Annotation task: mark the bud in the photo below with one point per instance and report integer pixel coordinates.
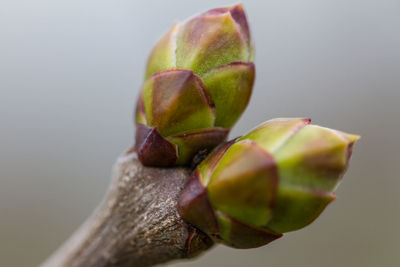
(277, 178)
(198, 82)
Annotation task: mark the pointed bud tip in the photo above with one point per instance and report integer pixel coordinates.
(227, 9)
(352, 137)
(236, 12)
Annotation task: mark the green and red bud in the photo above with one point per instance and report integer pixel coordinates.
(199, 79)
(277, 178)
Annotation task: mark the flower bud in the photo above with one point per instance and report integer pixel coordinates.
(277, 178)
(198, 82)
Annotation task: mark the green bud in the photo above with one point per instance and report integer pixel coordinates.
(198, 82)
(277, 178)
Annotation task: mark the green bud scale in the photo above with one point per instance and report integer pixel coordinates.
(277, 178)
(199, 79)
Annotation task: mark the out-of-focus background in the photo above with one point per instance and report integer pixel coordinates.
(70, 71)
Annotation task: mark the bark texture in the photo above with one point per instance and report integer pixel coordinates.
(137, 224)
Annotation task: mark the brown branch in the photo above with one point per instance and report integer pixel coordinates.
(137, 224)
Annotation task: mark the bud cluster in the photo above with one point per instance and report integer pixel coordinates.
(199, 79)
(277, 178)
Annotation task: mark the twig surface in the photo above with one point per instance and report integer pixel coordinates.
(137, 224)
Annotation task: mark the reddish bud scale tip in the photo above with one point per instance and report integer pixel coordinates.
(193, 205)
(153, 149)
(238, 14)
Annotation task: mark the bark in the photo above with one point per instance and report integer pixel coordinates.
(137, 224)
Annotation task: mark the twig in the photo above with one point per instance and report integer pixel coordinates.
(137, 224)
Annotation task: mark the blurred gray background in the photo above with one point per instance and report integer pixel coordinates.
(70, 71)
